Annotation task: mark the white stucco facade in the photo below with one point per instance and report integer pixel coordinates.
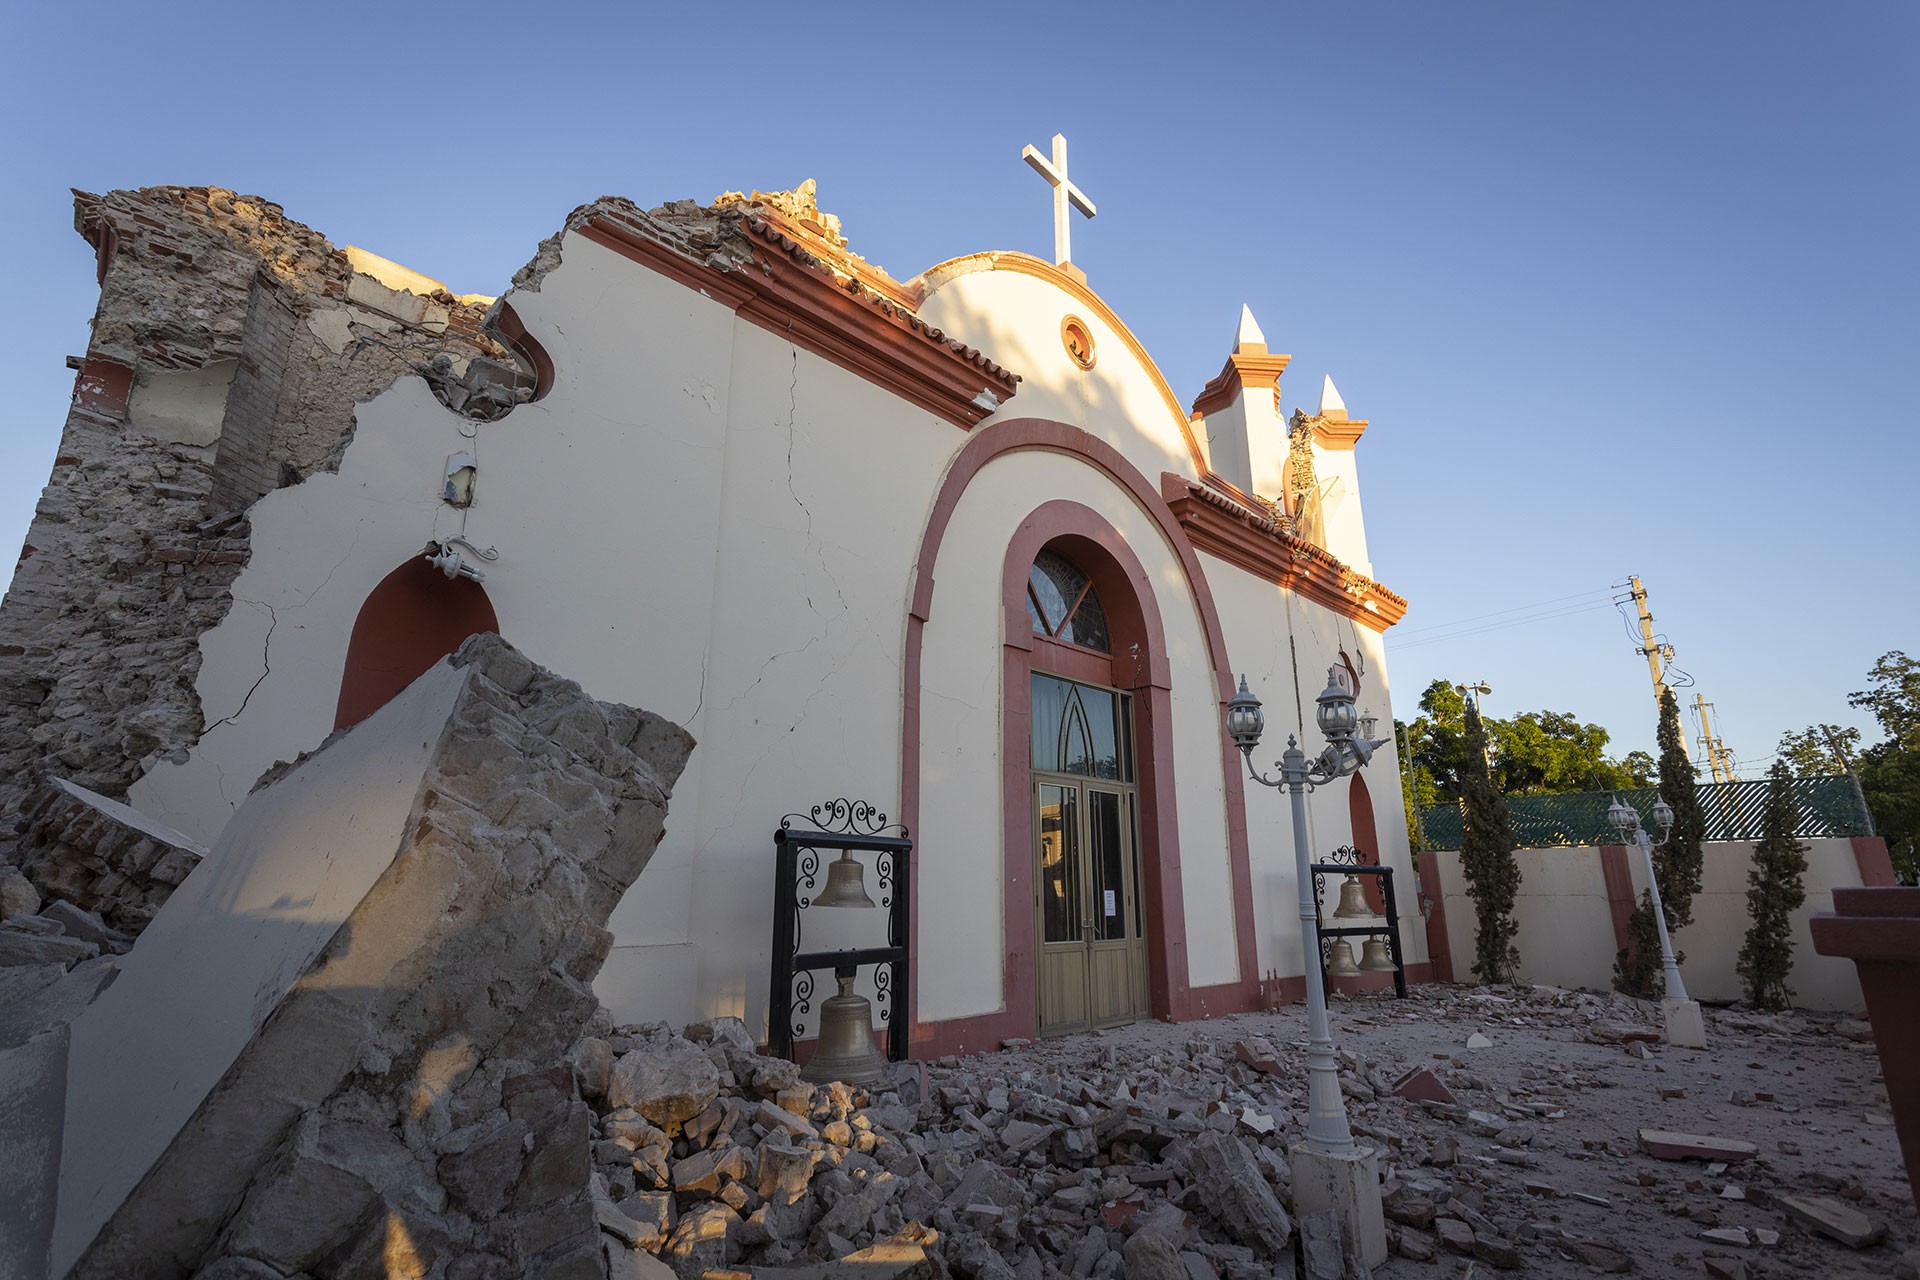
(710, 518)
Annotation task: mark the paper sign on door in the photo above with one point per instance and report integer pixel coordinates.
(1112, 908)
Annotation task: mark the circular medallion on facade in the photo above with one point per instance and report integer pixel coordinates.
(1078, 340)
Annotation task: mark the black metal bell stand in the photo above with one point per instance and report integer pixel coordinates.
(838, 828)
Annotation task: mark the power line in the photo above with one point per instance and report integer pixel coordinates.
(1500, 626)
(1497, 613)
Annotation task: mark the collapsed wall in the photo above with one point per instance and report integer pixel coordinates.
(228, 351)
(389, 949)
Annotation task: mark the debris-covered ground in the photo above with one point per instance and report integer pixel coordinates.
(1160, 1150)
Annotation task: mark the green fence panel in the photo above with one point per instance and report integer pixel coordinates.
(1734, 811)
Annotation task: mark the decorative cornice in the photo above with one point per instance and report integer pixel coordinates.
(1337, 430)
(1220, 526)
(1244, 371)
(773, 279)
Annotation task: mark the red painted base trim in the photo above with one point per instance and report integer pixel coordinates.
(987, 1032)
(961, 1036)
(1876, 865)
(1227, 997)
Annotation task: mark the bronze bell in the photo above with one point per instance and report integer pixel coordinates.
(1375, 957)
(845, 1049)
(846, 884)
(1353, 900)
(1340, 960)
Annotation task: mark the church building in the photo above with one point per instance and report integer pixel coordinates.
(950, 546)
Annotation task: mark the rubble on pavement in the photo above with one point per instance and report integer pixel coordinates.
(1160, 1151)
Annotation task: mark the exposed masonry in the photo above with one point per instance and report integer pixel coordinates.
(101, 856)
(229, 349)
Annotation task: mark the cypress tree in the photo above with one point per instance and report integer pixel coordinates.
(1486, 859)
(1775, 890)
(1636, 966)
(1679, 862)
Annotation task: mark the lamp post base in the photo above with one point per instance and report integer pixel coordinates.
(1686, 1028)
(1348, 1185)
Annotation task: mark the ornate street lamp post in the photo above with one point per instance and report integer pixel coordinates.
(1685, 1027)
(1330, 1172)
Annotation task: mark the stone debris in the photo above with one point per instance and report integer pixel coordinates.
(97, 874)
(408, 1102)
(1151, 1152)
(1421, 1085)
(1833, 1219)
(100, 856)
(1664, 1144)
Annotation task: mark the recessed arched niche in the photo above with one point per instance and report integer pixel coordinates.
(414, 618)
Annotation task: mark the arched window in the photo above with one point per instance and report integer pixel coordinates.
(414, 618)
(1062, 604)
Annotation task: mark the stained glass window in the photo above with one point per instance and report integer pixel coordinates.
(1062, 603)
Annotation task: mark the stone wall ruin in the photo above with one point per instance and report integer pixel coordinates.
(228, 351)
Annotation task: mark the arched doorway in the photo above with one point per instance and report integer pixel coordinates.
(414, 618)
(1090, 941)
(1089, 778)
(1172, 996)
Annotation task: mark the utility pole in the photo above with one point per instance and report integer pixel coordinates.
(1716, 749)
(1655, 654)
(1853, 779)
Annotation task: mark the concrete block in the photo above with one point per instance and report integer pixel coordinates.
(1686, 1028)
(361, 940)
(1348, 1186)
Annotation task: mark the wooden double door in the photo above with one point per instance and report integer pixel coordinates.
(1091, 946)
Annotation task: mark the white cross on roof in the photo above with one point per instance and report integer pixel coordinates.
(1055, 172)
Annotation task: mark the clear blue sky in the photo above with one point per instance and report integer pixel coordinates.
(1624, 288)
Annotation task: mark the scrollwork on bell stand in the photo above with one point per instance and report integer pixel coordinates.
(844, 829)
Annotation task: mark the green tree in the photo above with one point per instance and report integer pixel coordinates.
(1636, 966)
(1551, 752)
(1486, 859)
(1810, 752)
(1639, 766)
(1889, 772)
(1679, 861)
(1890, 780)
(1894, 697)
(1536, 752)
(1775, 890)
(1438, 742)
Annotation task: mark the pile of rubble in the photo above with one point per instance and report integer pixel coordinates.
(90, 875)
(1532, 1131)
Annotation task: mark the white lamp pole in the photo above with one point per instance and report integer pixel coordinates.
(1330, 1172)
(1685, 1026)
(1327, 1128)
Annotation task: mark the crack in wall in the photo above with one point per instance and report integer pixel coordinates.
(266, 645)
(266, 666)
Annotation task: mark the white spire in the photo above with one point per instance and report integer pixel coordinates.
(1330, 402)
(1248, 334)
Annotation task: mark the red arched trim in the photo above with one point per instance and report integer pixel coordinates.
(1365, 837)
(414, 618)
(510, 330)
(1012, 436)
(1138, 665)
